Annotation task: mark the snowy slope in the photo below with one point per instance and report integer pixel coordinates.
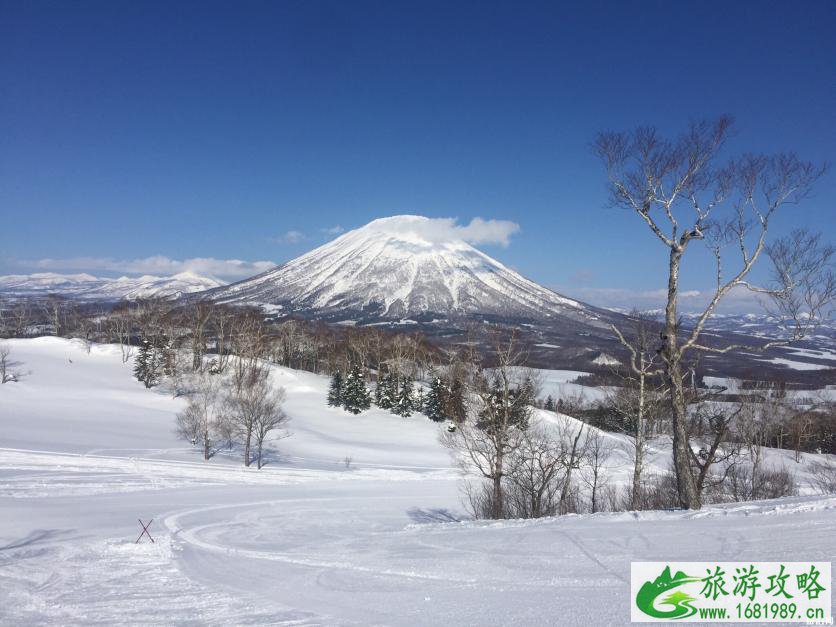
(88, 287)
(399, 268)
(85, 450)
(76, 402)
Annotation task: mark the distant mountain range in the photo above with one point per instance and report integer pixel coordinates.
(90, 288)
(405, 273)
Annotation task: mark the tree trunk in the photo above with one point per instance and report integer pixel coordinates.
(247, 440)
(689, 496)
(637, 465)
(498, 505)
(206, 442)
(564, 492)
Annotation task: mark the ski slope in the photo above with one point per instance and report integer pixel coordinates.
(85, 451)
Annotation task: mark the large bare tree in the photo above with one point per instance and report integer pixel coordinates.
(505, 394)
(682, 193)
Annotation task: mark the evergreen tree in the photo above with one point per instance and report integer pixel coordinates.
(148, 364)
(355, 395)
(386, 394)
(549, 405)
(420, 401)
(455, 403)
(434, 400)
(141, 362)
(406, 399)
(516, 406)
(335, 392)
(378, 388)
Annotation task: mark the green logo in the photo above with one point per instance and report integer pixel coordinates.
(679, 601)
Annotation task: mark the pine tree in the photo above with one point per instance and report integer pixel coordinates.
(386, 394)
(420, 401)
(434, 400)
(406, 399)
(549, 405)
(455, 402)
(355, 395)
(141, 362)
(335, 392)
(516, 406)
(148, 364)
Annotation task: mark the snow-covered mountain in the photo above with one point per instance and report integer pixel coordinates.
(398, 268)
(760, 324)
(88, 287)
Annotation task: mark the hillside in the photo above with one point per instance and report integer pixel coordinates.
(87, 450)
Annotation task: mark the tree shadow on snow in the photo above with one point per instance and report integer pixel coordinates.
(39, 535)
(432, 515)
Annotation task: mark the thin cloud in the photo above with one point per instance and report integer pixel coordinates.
(156, 265)
(290, 237)
(334, 230)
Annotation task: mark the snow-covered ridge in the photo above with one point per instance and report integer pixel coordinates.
(88, 287)
(400, 267)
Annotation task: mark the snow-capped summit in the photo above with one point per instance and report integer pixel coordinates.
(396, 268)
(88, 287)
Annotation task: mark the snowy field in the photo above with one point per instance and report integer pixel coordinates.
(85, 450)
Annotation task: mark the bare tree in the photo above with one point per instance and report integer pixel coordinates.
(505, 394)
(7, 373)
(573, 461)
(222, 323)
(711, 424)
(198, 315)
(800, 427)
(598, 448)
(762, 414)
(240, 404)
(20, 318)
(269, 417)
(54, 307)
(640, 396)
(255, 407)
(203, 416)
(537, 469)
(120, 325)
(249, 343)
(4, 317)
(678, 190)
(824, 477)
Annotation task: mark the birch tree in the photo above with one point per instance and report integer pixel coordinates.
(683, 194)
(203, 416)
(640, 396)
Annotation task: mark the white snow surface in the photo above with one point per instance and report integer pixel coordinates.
(85, 450)
(399, 267)
(88, 287)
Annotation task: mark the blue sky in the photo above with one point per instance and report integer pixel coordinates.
(252, 130)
